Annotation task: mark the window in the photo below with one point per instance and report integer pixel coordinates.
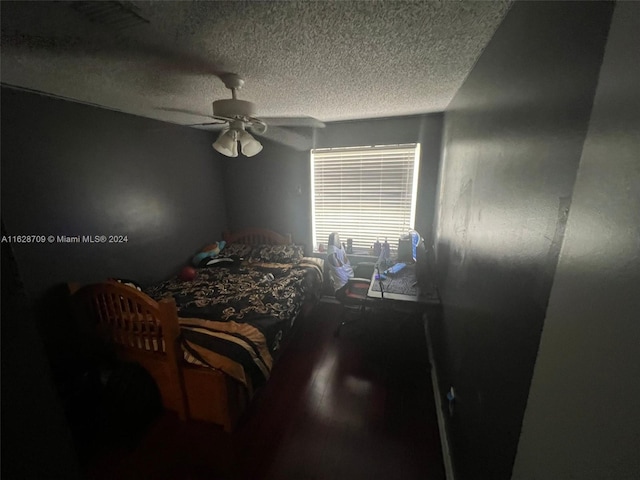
(364, 193)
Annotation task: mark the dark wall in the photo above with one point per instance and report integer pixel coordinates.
(273, 188)
(269, 190)
(589, 344)
(512, 142)
(71, 169)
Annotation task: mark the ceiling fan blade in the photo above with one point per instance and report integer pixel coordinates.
(287, 137)
(182, 110)
(308, 122)
(204, 124)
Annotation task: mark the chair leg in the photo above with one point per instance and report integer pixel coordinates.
(344, 321)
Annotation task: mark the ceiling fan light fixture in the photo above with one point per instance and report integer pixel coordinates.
(250, 146)
(227, 144)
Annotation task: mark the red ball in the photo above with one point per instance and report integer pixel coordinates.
(187, 274)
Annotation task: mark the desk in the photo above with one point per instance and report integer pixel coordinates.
(403, 287)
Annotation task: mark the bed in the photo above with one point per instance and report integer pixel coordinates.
(210, 342)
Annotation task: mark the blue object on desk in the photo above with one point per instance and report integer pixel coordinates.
(395, 269)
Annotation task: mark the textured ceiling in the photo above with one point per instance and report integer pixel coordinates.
(331, 60)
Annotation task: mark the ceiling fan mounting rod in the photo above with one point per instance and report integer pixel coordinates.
(239, 113)
(232, 81)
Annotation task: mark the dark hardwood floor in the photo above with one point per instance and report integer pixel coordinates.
(357, 406)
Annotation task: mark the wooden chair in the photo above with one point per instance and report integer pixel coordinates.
(140, 330)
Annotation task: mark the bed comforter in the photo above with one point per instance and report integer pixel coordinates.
(235, 318)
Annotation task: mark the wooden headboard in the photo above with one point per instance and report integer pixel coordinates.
(257, 236)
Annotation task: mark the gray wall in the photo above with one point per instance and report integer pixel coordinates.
(583, 414)
(71, 169)
(269, 190)
(512, 142)
(273, 189)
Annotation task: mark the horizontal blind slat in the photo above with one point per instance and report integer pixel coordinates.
(364, 193)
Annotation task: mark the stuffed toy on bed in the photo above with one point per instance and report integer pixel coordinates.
(207, 253)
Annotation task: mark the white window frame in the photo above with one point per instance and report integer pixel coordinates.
(366, 193)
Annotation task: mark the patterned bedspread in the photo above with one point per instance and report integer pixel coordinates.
(235, 318)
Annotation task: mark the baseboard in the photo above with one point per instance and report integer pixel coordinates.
(442, 420)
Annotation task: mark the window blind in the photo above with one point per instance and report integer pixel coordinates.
(364, 193)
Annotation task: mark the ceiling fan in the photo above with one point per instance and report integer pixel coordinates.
(236, 116)
(117, 32)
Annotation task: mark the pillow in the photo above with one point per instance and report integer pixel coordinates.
(277, 253)
(241, 250)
